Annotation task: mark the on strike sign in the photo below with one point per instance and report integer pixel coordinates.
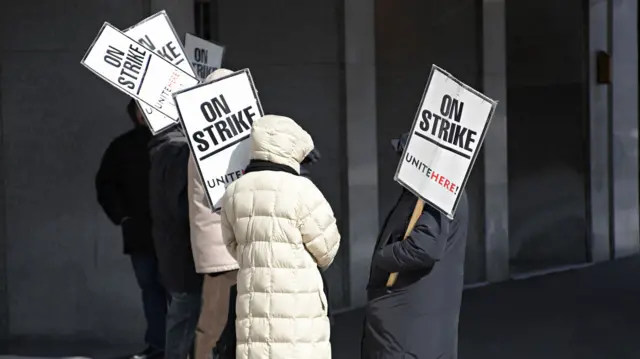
(445, 139)
(136, 70)
(217, 117)
(205, 56)
(157, 34)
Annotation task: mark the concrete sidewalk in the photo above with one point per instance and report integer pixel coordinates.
(590, 313)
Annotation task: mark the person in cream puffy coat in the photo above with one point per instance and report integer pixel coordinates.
(281, 229)
(212, 258)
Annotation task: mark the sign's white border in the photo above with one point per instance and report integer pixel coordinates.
(162, 13)
(493, 103)
(82, 62)
(224, 48)
(196, 160)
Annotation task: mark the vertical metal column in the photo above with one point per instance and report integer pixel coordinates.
(599, 134)
(4, 293)
(360, 76)
(624, 126)
(495, 143)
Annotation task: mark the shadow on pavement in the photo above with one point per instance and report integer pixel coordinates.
(590, 313)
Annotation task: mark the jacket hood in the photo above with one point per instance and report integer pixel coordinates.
(172, 135)
(281, 140)
(218, 74)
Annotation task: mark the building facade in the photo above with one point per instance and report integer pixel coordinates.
(556, 184)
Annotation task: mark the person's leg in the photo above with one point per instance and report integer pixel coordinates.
(182, 320)
(154, 298)
(204, 338)
(226, 345)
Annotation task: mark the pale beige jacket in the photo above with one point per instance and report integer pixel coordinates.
(210, 255)
(281, 229)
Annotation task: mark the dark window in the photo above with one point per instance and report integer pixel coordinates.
(202, 15)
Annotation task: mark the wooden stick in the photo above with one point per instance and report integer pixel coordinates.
(417, 211)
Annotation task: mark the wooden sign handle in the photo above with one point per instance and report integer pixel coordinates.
(417, 211)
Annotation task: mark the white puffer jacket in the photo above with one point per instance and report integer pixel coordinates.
(282, 229)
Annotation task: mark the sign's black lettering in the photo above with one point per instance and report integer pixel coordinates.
(201, 55)
(447, 131)
(214, 108)
(114, 57)
(168, 51)
(130, 64)
(173, 50)
(224, 128)
(224, 180)
(203, 70)
(198, 137)
(451, 108)
(146, 41)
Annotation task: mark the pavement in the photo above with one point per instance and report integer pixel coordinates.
(587, 313)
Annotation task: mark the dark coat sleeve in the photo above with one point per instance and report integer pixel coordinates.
(176, 179)
(422, 249)
(108, 186)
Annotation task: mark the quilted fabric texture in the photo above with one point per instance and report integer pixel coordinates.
(281, 229)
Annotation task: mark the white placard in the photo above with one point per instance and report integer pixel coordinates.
(136, 71)
(205, 56)
(217, 117)
(157, 34)
(444, 142)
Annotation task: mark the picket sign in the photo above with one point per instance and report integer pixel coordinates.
(157, 34)
(217, 118)
(205, 56)
(445, 139)
(136, 71)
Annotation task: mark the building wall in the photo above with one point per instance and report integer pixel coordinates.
(66, 275)
(548, 132)
(294, 51)
(410, 37)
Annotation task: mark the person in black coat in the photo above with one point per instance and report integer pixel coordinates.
(122, 186)
(169, 152)
(418, 316)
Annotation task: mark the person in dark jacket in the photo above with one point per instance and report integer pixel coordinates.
(122, 186)
(418, 316)
(169, 154)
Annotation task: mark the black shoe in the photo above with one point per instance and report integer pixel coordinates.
(149, 353)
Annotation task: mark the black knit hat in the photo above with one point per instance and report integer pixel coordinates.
(400, 143)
